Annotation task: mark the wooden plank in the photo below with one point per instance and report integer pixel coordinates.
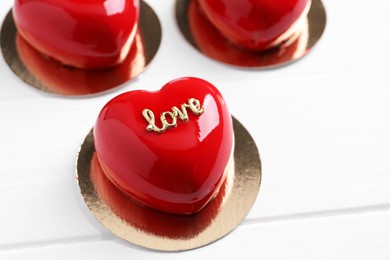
(358, 236)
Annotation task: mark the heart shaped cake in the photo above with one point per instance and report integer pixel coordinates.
(169, 149)
(215, 46)
(256, 25)
(81, 33)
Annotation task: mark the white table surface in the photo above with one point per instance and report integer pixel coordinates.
(322, 126)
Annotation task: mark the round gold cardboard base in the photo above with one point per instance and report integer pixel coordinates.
(201, 34)
(169, 232)
(51, 76)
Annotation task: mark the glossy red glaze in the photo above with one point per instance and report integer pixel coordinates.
(215, 46)
(179, 170)
(79, 33)
(255, 24)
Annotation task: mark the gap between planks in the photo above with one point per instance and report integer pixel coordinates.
(255, 221)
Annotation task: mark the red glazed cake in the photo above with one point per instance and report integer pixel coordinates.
(169, 149)
(214, 45)
(80, 33)
(256, 25)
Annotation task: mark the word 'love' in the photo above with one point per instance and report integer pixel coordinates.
(193, 104)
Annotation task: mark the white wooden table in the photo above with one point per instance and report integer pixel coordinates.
(322, 126)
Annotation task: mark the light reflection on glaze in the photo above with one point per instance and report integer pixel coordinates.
(207, 125)
(114, 7)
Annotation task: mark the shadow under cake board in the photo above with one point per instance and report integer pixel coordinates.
(158, 230)
(202, 35)
(51, 76)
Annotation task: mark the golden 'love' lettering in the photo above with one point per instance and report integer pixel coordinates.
(169, 118)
